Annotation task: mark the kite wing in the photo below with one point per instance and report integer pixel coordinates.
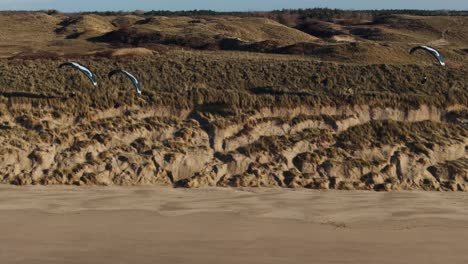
(132, 78)
(83, 69)
(432, 51)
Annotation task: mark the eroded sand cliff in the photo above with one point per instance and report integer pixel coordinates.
(361, 147)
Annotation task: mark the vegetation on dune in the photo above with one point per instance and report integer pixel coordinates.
(277, 144)
(327, 14)
(192, 80)
(420, 135)
(305, 12)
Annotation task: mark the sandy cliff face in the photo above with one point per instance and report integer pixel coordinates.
(360, 147)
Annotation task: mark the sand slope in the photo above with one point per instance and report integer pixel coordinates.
(114, 225)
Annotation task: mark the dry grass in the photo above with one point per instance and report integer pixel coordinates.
(84, 26)
(125, 52)
(248, 29)
(244, 81)
(417, 136)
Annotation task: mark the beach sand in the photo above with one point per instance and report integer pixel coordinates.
(162, 225)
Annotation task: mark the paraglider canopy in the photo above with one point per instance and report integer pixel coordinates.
(432, 51)
(83, 69)
(134, 80)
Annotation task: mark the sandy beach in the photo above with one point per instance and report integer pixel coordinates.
(162, 225)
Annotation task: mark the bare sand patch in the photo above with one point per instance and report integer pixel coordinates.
(161, 225)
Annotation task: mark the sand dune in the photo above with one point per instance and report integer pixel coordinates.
(160, 225)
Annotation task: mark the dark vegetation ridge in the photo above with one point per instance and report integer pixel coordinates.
(305, 12)
(290, 17)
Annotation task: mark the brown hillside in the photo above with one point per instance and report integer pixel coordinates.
(234, 101)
